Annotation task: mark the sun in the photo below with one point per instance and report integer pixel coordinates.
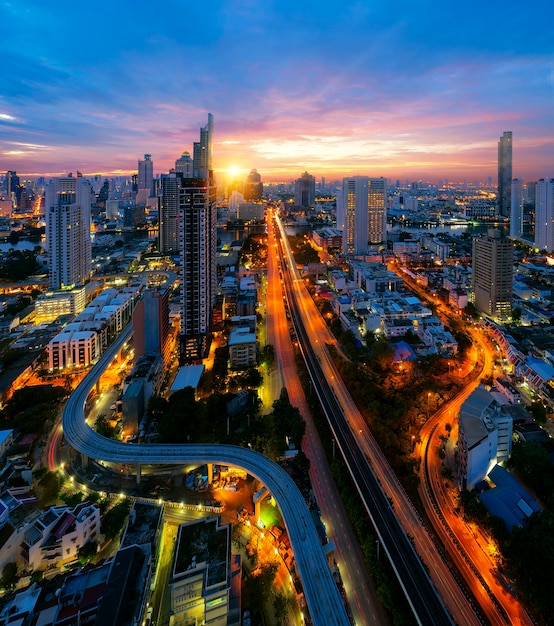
(233, 171)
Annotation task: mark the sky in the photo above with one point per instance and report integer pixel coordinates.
(410, 90)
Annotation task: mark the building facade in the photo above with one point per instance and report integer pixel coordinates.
(145, 173)
(197, 248)
(365, 218)
(493, 257)
(544, 214)
(516, 219)
(304, 191)
(505, 174)
(68, 241)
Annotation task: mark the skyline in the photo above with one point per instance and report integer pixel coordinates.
(423, 91)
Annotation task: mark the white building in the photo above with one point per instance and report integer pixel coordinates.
(365, 216)
(52, 304)
(242, 348)
(484, 437)
(68, 241)
(544, 214)
(516, 218)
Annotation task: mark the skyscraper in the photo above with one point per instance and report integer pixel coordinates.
(145, 173)
(253, 187)
(505, 174)
(544, 214)
(493, 257)
(183, 165)
(151, 323)
(67, 206)
(364, 208)
(516, 219)
(169, 212)
(197, 247)
(304, 191)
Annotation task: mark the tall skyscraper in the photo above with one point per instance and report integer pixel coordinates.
(253, 187)
(493, 258)
(183, 165)
(145, 173)
(505, 174)
(67, 206)
(516, 219)
(544, 214)
(197, 246)
(304, 191)
(364, 208)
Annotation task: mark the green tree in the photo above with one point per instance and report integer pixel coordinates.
(87, 552)
(114, 519)
(9, 577)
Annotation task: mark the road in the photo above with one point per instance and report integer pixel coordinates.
(361, 594)
(355, 440)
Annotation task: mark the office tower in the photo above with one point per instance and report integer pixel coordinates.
(151, 323)
(253, 187)
(12, 187)
(365, 217)
(493, 258)
(145, 173)
(304, 191)
(197, 246)
(544, 214)
(516, 219)
(505, 174)
(183, 165)
(67, 205)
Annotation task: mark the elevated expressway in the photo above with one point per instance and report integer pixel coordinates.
(321, 593)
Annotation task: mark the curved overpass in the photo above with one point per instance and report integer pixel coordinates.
(321, 593)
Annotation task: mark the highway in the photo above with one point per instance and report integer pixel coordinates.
(320, 591)
(397, 523)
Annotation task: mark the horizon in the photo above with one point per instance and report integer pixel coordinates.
(335, 89)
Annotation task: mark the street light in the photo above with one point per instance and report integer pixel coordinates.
(428, 397)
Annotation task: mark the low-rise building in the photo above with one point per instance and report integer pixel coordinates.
(242, 348)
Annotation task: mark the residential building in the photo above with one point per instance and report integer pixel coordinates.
(169, 212)
(505, 174)
(68, 241)
(544, 214)
(145, 173)
(253, 187)
(364, 208)
(493, 274)
(197, 247)
(200, 579)
(484, 437)
(151, 323)
(516, 219)
(242, 348)
(304, 191)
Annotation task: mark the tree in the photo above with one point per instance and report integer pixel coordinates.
(113, 521)
(87, 552)
(9, 577)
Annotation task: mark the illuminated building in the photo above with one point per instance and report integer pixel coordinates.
(200, 580)
(364, 209)
(68, 241)
(197, 248)
(544, 214)
(151, 323)
(145, 173)
(493, 257)
(505, 174)
(516, 219)
(304, 191)
(253, 187)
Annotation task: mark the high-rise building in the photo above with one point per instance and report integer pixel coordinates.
(516, 219)
(505, 174)
(544, 214)
(151, 323)
(145, 173)
(197, 247)
(183, 165)
(304, 191)
(67, 206)
(492, 279)
(253, 187)
(364, 208)
(169, 213)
